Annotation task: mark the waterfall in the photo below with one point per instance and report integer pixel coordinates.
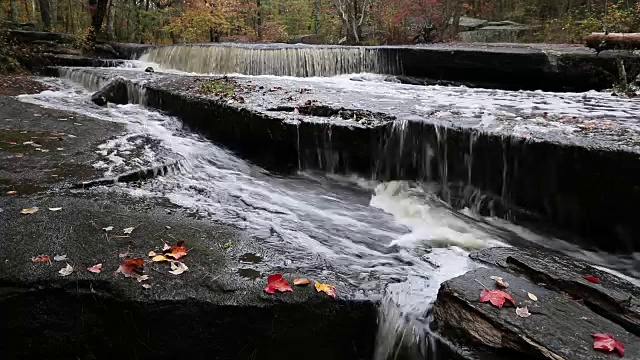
(283, 60)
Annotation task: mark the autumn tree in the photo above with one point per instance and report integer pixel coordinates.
(352, 14)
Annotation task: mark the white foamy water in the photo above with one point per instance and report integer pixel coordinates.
(367, 233)
(394, 238)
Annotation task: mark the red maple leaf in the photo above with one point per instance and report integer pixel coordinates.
(276, 282)
(607, 343)
(496, 297)
(593, 279)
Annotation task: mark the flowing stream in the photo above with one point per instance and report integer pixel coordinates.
(393, 240)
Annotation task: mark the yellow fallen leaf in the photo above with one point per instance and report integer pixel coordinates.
(299, 281)
(159, 258)
(152, 253)
(532, 296)
(326, 288)
(29, 211)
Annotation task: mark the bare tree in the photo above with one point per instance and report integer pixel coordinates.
(352, 14)
(45, 13)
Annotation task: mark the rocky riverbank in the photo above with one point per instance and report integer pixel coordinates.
(54, 229)
(566, 302)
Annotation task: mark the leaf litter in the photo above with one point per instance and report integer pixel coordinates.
(29, 211)
(326, 288)
(607, 343)
(178, 268)
(96, 269)
(41, 258)
(495, 297)
(66, 271)
(275, 283)
(60, 258)
(131, 268)
(523, 312)
(301, 282)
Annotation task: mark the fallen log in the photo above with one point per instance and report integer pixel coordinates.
(613, 41)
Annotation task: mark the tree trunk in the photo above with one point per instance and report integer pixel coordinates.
(602, 41)
(260, 19)
(45, 14)
(97, 17)
(317, 13)
(14, 11)
(26, 10)
(110, 20)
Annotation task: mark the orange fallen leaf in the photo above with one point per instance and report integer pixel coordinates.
(275, 283)
(131, 267)
(41, 258)
(326, 288)
(299, 281)
(96, 269)
(177, 251)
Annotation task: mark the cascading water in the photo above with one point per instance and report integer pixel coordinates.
(302, 61)
(393, 238)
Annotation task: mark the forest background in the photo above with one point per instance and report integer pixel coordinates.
(367, 22)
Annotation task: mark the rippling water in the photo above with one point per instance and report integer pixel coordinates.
(394, 238)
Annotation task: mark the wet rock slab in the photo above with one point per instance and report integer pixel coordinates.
(209, 309)
(521, 161)
(567, 311)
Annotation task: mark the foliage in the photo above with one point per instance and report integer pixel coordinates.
(219, 87)
(359, 21)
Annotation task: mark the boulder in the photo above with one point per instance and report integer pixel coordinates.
(115, 92)
(468, 23)
(614, 298)
(559, 327)
(31, 36)
(311, 39)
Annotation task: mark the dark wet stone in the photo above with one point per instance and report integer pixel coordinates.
(149, 70)
(558, 328)
(115, 92)
(249, 273)
(250, 258)
(614, 298)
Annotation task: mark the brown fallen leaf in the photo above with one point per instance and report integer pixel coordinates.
(500, 281)
(300, 282)
(326, 288)
(29, 211)
(12, 192)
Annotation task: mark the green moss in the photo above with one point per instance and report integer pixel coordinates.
(220, 87)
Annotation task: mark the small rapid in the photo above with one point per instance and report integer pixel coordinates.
(395, 241)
